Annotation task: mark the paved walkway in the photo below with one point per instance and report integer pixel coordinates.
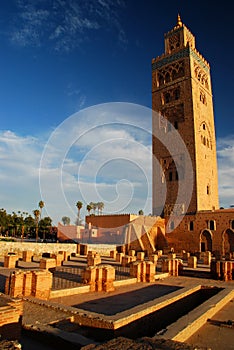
(216, 337)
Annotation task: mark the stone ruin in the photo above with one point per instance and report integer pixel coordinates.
(99, 278)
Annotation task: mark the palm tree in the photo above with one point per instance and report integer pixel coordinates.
(100, 206)
(91, 205)
(79, 206)
(66, 220)
(41, 206)
(36, 213)
(94, 207)
(88, 208)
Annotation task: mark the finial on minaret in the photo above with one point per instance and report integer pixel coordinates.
(179, 22)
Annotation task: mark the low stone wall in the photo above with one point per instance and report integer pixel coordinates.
(39, 248)
(102, 249)
(36, 248)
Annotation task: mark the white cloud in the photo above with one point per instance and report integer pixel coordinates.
(109, 162)
(225, 155)
(98, 155)
(63, 23)
(20, 159)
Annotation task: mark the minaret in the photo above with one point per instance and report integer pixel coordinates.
(182, 94)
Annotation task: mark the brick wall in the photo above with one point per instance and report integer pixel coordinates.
(217, 237)
(10, 317)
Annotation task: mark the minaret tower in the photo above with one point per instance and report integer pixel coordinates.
(182, 94)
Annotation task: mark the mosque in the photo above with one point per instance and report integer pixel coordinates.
(186, 212)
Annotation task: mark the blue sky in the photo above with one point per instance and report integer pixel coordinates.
(60, 57)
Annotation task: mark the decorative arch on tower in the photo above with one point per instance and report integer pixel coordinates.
(205, 135)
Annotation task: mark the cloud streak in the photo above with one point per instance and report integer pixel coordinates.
(65, 25)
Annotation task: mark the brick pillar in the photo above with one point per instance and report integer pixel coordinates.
(192, 262)
(27, 255)
(165, 265)
(207, 258)
(228, 256)
(27, 283)
(10, 261)
(108, 276)
(213, 269)
(89, 277)
(185, 255)
(41, 284)
(121, 249)
(171, 266)
(135, 270)
(140, 256)
(159, 253)
(99, 276)
(138, 270)
(153, 258)
(16, 282)
(229, 270)
(47, 263)
(150, 271)
(93, 259)
(113, 254)
(65, 255)
(78, 249)
(82, 249)
(171, 256)
(59, 258)
(223, 270)
(131, 252)
(119, 257)
(126, 260)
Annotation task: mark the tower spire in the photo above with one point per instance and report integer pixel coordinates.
(179, 22)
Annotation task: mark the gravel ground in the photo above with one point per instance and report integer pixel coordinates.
(35, 314)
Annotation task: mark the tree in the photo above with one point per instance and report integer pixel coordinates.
(3, 220)
(45, 226)
(41, 205)
(100, 206)
(88, 208)
(140, 212)
(79, 205)
(94, 206)
(36, 213)
(66, 220)
(29, 223)
(91, 205)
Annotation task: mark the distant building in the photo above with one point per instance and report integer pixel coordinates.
(69, 232)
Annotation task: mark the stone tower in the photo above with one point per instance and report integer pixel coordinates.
(182, 95)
